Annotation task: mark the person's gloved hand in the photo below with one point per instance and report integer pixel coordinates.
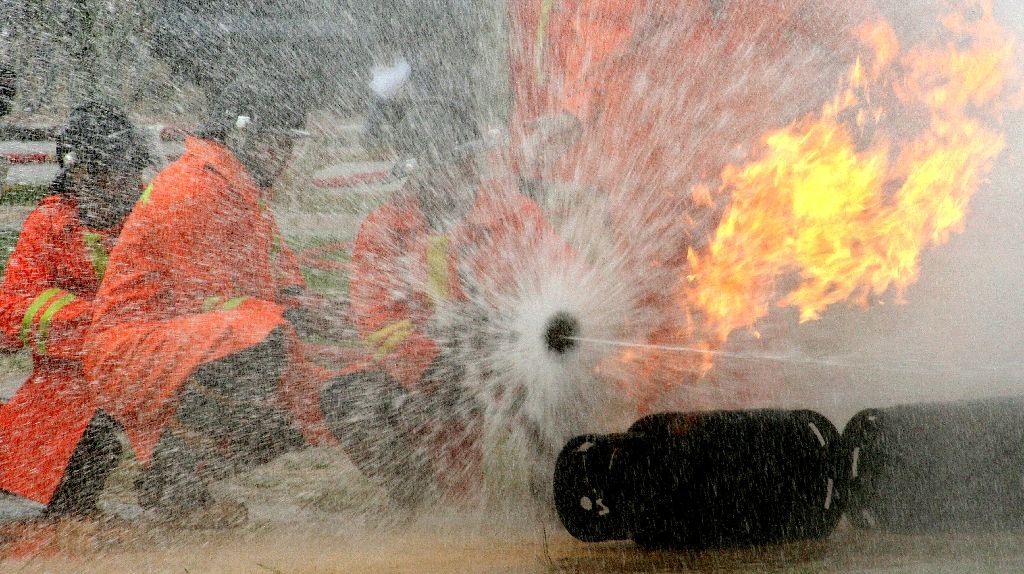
(316, 317)
(462, 330)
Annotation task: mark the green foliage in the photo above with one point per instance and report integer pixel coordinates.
(23, 193)
(333, 282)
(8, 239)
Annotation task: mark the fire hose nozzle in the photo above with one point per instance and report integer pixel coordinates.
(561, 331)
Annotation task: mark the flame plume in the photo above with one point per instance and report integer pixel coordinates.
(838, 206)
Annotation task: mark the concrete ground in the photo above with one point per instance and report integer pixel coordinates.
(467, 544)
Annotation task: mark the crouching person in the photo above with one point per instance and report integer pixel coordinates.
(56, 448)
(408, 419)
(192, 349)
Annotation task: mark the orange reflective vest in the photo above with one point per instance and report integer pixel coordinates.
(46, 305)
(197, 275)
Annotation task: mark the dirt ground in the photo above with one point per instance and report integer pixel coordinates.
(311, 512)
(467, 547)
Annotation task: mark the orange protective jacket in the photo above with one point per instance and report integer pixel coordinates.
(46, 305)
(197, 275)
(401, 268)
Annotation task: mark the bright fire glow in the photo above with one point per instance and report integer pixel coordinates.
(837, 207)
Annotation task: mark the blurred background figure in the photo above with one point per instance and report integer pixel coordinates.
(424, 55)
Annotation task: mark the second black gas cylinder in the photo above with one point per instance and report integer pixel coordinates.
(707, 479)
(937, 467)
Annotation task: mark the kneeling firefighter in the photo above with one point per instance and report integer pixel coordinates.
(406, 418)
(193, 348)
(56, 448)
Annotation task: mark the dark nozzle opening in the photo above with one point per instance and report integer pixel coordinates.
(560, 332)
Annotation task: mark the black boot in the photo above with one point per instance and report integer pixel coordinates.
(375, 420)
(96, 456)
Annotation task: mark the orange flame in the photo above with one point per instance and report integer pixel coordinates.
(837, 207)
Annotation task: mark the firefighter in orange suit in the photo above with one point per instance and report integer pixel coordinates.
(404, 418)
(193, 348)
(56, 448)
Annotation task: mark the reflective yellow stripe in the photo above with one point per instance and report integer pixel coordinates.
(98, 253)
(380, 335)
(542, 30)
(389, 337)
(276, 247)
(30, 313)
(437, 266)
(218, 302)
(233, 303)
(44, 321)
(397, 332)
(144, 198)
(393, 341)
(210, 302)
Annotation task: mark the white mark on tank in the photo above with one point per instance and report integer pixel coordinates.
(817, 433)
(828, 495)
(856, 459)
(584, 447)
(586, 504)
(604, 509)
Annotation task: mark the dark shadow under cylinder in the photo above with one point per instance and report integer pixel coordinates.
(704, 480)
(937, 467)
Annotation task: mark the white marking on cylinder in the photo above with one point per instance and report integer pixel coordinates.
(817, 433)
(584, 447)
(828, 495)
(586, 504)
(604, 509)
(856, 459)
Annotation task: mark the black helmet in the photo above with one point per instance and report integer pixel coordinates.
(99, 132)
(258, 105)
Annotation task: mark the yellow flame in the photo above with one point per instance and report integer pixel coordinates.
(837, 207)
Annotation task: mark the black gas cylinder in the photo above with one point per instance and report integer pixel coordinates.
(704, 480)
(937, 467)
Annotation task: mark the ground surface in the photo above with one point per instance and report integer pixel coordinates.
(345, 543)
